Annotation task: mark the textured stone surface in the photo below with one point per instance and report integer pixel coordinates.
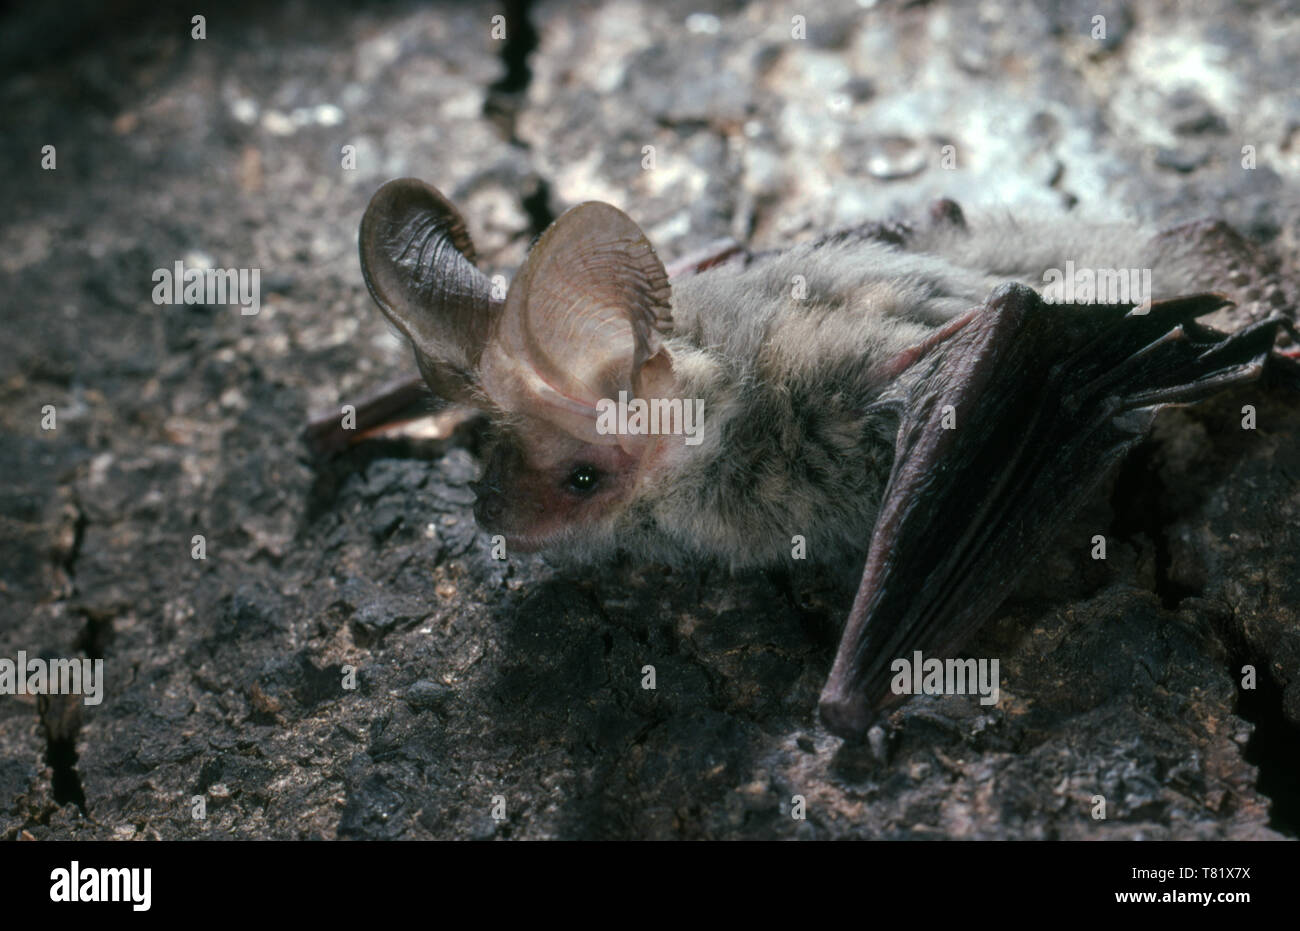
(477, 679)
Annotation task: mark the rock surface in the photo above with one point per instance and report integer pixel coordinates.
(481, 684)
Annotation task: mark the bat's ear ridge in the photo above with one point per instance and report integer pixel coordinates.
(418, 262)
(583, 317)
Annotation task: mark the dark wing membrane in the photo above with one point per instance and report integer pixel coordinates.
(1040, 401)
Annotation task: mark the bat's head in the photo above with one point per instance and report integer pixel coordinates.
(580, 327)
(542, 487)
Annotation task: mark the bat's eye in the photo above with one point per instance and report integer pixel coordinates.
(583, 479)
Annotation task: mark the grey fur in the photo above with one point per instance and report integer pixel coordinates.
(815, 367)
(796, 441)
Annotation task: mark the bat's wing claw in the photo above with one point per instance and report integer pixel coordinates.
(1009, 424)
(325, 433)
(846, 712)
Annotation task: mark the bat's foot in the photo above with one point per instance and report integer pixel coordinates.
(714, 255)
(942, 214)
(947, 212)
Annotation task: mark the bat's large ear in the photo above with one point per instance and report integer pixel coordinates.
(418, 262)
(584, 320)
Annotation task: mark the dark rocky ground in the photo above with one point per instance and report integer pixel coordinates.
(476, 678)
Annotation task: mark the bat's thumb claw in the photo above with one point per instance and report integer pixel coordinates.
(845, 713)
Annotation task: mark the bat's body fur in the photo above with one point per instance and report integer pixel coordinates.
(894, 395)
(792, 444)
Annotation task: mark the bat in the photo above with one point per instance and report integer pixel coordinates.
(929, 401)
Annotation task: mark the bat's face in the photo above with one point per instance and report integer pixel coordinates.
(541, 486)
(580, 328)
